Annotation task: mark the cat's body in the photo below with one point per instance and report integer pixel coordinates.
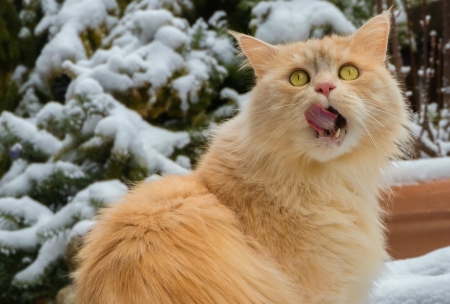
(276, 212)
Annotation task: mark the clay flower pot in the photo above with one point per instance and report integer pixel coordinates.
(420, 210)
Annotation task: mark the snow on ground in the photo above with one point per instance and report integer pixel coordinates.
(419, 170)
(421, 280)
(288, 21)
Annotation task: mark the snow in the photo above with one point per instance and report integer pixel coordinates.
(83, 206)
(52, 231)
(50, 251)
(131, 134)
(184, 161)
(40, 140)
(435, 137)
(81, 228)
(217, 19)
(147, 48)
(24, 33)
(29, 104)
(17, 167)
(186, 86)
(18, 74)
(23, 239)
(420, 170)
(149, 22)
(288, 21)
(34, 173)
(405, 69)
(24, 208)
(25, 211)
(421, 280)
(171, 37)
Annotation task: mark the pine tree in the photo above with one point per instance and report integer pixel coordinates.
(62, 166)
(19, 47)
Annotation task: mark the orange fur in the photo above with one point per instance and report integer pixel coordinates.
(272, 214)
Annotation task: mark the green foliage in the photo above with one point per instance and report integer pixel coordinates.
(29, 151)
(16, 46)
(10, 50)
(10, 264)
(56, 190)
(9, 93)
(45, 288)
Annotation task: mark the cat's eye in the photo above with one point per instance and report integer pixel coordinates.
(348, 72)
(299, 78)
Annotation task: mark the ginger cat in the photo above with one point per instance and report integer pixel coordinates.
(283, 208)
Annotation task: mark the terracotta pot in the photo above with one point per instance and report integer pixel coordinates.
(420, 219)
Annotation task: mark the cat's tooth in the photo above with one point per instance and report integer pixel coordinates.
(337, 133)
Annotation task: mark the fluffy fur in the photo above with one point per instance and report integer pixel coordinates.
(272, 214)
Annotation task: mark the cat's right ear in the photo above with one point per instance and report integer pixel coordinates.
(258, 53)
(373, 36)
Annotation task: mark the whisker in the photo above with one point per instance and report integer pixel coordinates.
(380, 125)
(368, 133)
(377, 109)
(377, 127)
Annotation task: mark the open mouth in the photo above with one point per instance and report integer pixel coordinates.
(328, 123)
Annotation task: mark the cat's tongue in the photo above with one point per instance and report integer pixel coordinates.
(319, 118)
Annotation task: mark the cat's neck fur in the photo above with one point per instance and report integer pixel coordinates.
(236, 156)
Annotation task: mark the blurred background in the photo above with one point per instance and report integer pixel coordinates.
(96, 95)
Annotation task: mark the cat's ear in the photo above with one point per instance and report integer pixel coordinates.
(373, 36)
(258, 53)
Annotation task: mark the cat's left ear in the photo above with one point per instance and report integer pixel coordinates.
(258, 53)
(373, 36)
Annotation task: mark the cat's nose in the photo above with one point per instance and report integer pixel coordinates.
(325, 87)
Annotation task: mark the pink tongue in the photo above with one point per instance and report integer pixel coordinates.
(319, 118)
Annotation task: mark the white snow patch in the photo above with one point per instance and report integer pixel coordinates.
(51, 250)
(83, 206)
(422, 280)
(37, 172)
(24, 208)
(420, 170)
(29, 212)
(288, 21)
(18, 74)
(40, 140)
(81, 228)
(184, 161)
(17, 167)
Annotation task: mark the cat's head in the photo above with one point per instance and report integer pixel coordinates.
(326, 98)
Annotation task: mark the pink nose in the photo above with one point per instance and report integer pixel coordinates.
(325, 88)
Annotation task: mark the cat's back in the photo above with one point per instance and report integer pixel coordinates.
(172, 241)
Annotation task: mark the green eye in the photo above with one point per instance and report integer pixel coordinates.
(349, 72)
(299, 78)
